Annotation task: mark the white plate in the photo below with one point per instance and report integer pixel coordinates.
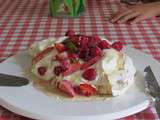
(30, 102)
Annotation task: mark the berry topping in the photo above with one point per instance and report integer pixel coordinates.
(42, 54)
(70, 33)
(42, 70)
(90, 74)
(93, 41)
(84, 54)
(73, 57)
(90, 62)
(87, 89)
(97, 38)
(96, 51)
(60, 47)
(58, 70)
(104, 45)
(73, 68)
(117, 45)
(66, 87)
(61, 56)
(65, 64)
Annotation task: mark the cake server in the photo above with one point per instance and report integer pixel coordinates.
(152, 88)
(11, 80)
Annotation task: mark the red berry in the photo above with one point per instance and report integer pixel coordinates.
(42, 70)
(90, 62)
(90, 74)
(96, 51)
(58, 70)
(117, 45)
(104, 45)
(60, 47)
(70, 33)
(61, 56)
(97, 38)
(66, 87)
(65, 64)
(93, 41)
(84, 54)
(87, 89)
(72, 56)
(84, 41)
(73, 68)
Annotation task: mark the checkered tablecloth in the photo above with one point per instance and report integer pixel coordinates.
(25, 21)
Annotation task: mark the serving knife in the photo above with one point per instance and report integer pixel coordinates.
(11, 80)
(152, 88)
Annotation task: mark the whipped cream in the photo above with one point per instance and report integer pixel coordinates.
(119, 75)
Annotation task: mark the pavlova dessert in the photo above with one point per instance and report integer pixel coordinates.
(82, 65)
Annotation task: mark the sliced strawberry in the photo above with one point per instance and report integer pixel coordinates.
(90, 62)
(61, 56)
(87, 89)
(73, 68)
(60, 47)
(41, 55)
(66, 87)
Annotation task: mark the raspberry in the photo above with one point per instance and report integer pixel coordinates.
(42, 70)
(117, 45)
(90, 74)
(84, 54)
(84, 41)
(73, 57)
(70, 33)
(58, 70)
(93, 41)
(104, 45)
(97, 38)
(96, 51)
(65, 64)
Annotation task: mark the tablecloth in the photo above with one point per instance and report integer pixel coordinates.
(24, 21)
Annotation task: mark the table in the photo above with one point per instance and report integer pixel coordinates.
(24, 21)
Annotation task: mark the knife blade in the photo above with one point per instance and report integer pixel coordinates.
(152, 88)
(11, 80)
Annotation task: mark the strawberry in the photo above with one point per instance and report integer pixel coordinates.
(66, 87)
(60, 47)
(61, 56)
(42, 54)
(87, 89)
(90, 62)
(73, 68)
(70, 33)
(89, 74)
(117, 45)
(42, 70)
